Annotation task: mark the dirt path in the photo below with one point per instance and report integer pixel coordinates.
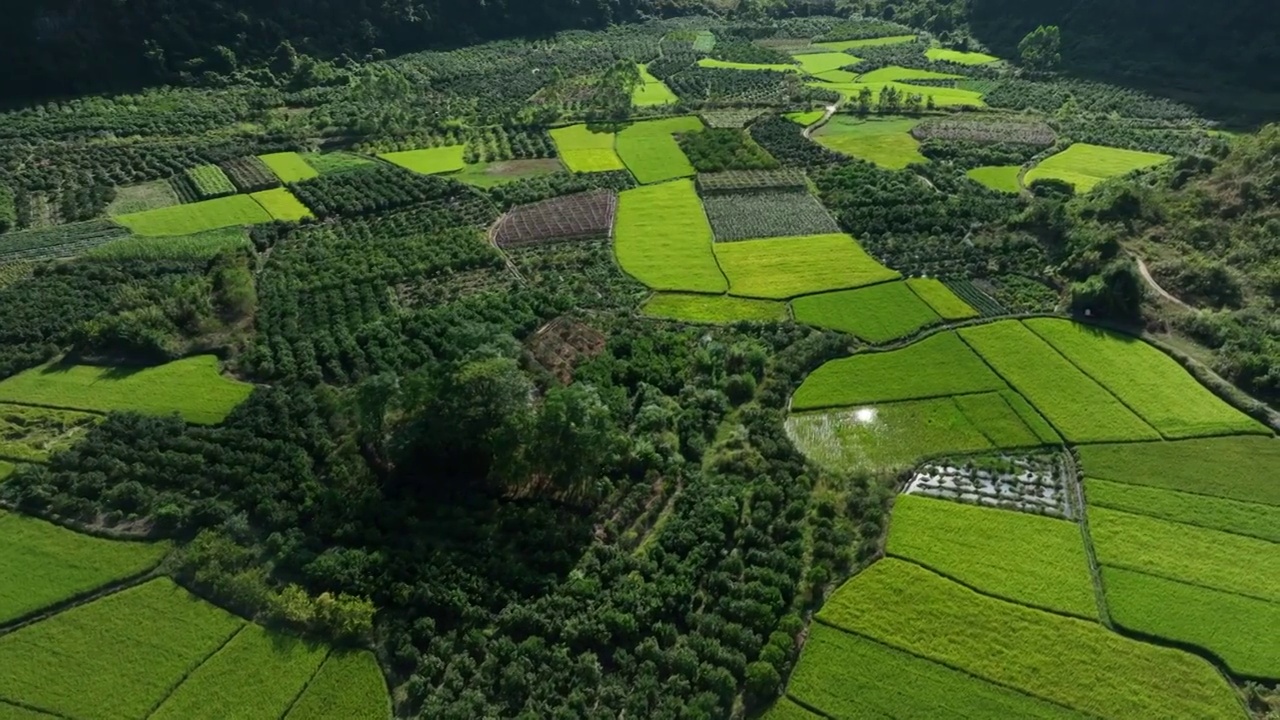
(831, 110)
(1146, 275)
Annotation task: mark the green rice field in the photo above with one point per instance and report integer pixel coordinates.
(289, 166)
(1027, 559)
(349, 686)
(895, 73)
(1068, 661)
(805, 119)
(1187, 553)
(815, 63)
(996, 419)
(941, 299)
(997, 177)
(650, 151)
(1239, 630)
(884, 436)
(583, 150)
(1084, 166)
(1078, 407)
(662, 238)
(1146, 380)
(887, 143)
(942, 96)
(42, 564)
(713, 308)
(1242, 518)
(196, 217)
(877, 314)
(651, 91)
(959, 57)
(1245, 468)
(1032, 418)
(779, 268)
(851, 676)
(727, 65)
(191, 387)
(282, 205)
(784, 709)
(429, 161)
(936, 366)
(331, 163)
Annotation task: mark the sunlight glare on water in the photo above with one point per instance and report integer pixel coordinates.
(865, 415)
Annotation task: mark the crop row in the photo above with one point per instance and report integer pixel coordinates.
(249, 174)
(746, 216)
(986, 305)
(585, 215)
(59, 241)
(986, 131)
(736, 181)
(209, 181)
(375, 190)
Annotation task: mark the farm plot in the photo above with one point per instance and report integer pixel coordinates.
(1245, 468)
(821, 62)
(887, 143)
(997, 177)
(729, 118)
(1146, 380)
(1068, 661)
(805, 119)
(1237, 629)
(1027, 483)
(997, 419)
(1084, 166)
(936, 366)
(896, 73)
(1077, 406)
(851, 676)
(662, 239)
(842, 45)
(651, 91)
(338, 162)
(1023, 558)
(42, 564)
(728, 65)
(572, 217)
(975, 297)
(200, 246)
(562, 343)
(734, 182)
(429, 161)
(650, 151)
(289, 166)
(885, 436)
(31, 434)
(249, 174)
(1032, 418)
(143, 196)
(984, 130)
(1242, 518)
(58, 242)
(209, 182)
(501, 172)
(939, 297)
(349, 686)
(942, 96)
(780, 268)
(585, 150)
(959, 57)
(114, 658)
(1187, 553)
(756, 215)
(713, 308)
(191, 387)
(197, 217)
(876, 314)
(282, 205)
(255, 675)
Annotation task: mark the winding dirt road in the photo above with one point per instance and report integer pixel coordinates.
(1151, 281)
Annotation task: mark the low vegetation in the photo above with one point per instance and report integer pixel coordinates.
(1242, 518)
(713, 308)
(197, 217)
(876, 314)
(784, 267)
(1084, 166)
(1243, 468)
(663, 240)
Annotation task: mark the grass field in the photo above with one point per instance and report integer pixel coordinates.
(841, 45)
(429, 161)
(1146, 380)
(1084, 165)
(997, 177)
(337, 162)
(492, 174)
(887, 143)
(132, 199)
(1245, 468)
(191, 387)
(282, 205)
(938, 365)
(649, 149)
(663, 239)
(9, 711)
(1243, 518)
(779, 268)
(850, 676)
(1023, 558)
(289, 166)
(814, 63)
(942, 96)
(255, 675)
(959, 57)
(805, 119)
(651, 91)
(31, 434)
(115, 658)
(1072, 662)
(726, 65)
(1077, 406)
(894, 73)
(204, 245)
(884, 436)
(1239, 630)
(196, 217)
(713, 308)
(349, 686)
(877, 314)
(939, 297)
(1212, 559)
(582, 150)
(42, 564)
(997, 420)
